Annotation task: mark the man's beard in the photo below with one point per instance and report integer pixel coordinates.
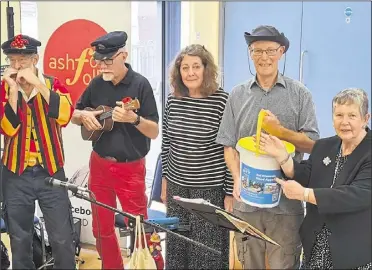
(108, 77)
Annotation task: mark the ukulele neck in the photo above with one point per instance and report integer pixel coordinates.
(105, 115)
(108, 113)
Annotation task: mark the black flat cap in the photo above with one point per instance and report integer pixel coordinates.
(107, 45)
(20, 44)
(268, 33)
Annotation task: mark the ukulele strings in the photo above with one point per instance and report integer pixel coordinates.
(109, 113)
(106, 114)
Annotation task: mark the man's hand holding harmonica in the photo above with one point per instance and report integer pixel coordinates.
(10, 75)
(28, 76)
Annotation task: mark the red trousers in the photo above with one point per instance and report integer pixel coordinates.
(109, 180)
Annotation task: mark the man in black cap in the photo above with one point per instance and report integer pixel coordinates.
(290, 115)
(33, 109)
(117, 162)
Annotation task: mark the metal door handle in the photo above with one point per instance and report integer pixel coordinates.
(302, 66)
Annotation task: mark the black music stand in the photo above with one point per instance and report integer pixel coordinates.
(132, 220)
(218, 216)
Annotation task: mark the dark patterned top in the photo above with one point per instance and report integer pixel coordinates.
(320, 257)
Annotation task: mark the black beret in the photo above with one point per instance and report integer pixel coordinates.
(106, 46)
(269, 33)
(20, 44)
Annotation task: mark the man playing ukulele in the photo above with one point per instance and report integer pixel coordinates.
(117, 162)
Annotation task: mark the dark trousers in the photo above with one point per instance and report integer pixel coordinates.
(20, 193)
(183, 255)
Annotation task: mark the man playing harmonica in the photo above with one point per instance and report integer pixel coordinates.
(33, 109)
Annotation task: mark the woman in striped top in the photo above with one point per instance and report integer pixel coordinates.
(193, 163)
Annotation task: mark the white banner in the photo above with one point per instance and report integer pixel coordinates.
(66, 54)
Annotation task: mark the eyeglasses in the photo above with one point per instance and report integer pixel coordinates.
(269, 52)
(23, 60)
(109, 61)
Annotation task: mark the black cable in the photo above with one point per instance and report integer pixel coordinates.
(249, 63)
(285, 60)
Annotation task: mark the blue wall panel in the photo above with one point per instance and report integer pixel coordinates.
(172, 36)
(338, 53)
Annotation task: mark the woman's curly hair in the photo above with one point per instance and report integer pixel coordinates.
(209, 84)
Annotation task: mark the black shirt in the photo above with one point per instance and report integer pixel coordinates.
(124, 142)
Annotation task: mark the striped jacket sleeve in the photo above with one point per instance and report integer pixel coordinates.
(60, 104)
(10, 121)
(165, 141)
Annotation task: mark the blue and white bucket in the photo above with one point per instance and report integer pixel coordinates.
(257, 174)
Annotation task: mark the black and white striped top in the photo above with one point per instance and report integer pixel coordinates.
(190, 155)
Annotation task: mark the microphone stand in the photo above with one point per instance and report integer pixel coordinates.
(132, 222)
(10, 20)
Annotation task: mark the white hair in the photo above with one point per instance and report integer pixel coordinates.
(123, 49)
(352, 96)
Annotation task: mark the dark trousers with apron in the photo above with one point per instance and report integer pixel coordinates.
(20, 193)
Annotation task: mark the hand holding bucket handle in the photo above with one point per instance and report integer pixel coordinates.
(271, 124)
(273, 147)
(261, 116)
(270, 144)
(268, 122)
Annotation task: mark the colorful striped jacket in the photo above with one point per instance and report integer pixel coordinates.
(36, 128)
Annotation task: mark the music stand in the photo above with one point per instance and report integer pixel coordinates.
(218, 216)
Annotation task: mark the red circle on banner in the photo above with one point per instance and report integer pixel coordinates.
(68, 55)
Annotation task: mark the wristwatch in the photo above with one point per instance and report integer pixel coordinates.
(138, 120)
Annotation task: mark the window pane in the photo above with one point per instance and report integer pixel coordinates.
(146, 59)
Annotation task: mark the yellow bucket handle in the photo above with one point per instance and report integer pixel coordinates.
(261, 116)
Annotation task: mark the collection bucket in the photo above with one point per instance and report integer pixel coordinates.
(258, 171)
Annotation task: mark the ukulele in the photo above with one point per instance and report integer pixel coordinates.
(105, 119)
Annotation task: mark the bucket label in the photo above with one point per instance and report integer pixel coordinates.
(258, 187)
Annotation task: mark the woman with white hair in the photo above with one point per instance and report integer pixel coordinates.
(335, 183)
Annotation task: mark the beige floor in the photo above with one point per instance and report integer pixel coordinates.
(91, 259)
(88, 254)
